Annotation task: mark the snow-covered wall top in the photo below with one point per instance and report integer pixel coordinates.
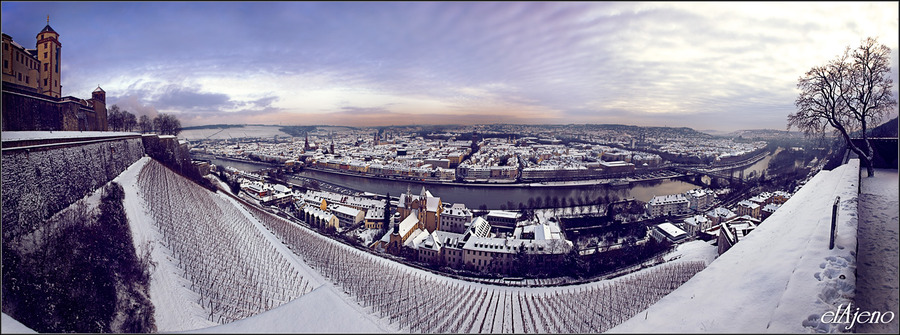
(782, 278)
(8, 136)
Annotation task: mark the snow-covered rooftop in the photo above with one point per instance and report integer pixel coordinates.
(671, 230)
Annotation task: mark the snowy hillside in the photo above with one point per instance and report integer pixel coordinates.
(214, 263)
(202, 240)
(780, 278)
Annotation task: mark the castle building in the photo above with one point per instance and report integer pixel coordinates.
(32, 89)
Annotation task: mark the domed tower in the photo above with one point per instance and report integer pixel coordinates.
(48, 52)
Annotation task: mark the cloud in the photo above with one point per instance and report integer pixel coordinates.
(359, 111)
(132, 103)
(570, 61)
(184, 98)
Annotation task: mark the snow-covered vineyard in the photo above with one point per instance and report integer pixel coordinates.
(234, 261)
(424, 302)
(233, 268)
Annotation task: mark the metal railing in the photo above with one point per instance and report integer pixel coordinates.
(834, 209)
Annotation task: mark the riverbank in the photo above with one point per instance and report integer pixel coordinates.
(495, 196)
(623, 182)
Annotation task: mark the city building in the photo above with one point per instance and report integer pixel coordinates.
(374, 218)
(502, 219)
(746, 207)
(763, 199)
(727, 238)
(394, 240)
(480, 227)
(499, 254)
(700, 199)
(348, 216)
(779, 197)
(318, 217)
(617, 167)
(672, 204)
(455, 218)
(668, 232)
(768, 210)
(719, 215)
(696, 224)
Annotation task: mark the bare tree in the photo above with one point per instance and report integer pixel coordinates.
(848, 94)
(167, 124)
(145, 124)
(129, 121)
(115, 118)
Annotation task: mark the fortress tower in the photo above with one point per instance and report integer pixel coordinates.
(48, 53)
(32, 90)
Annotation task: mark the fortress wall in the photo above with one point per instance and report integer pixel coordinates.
(40, 180)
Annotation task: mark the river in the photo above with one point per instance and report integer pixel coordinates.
(491, 197)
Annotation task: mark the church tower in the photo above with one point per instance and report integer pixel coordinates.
(48, 53)
(98, 100)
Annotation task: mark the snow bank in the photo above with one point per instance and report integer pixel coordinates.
(323, 310)
(11, 326)
(780, 278)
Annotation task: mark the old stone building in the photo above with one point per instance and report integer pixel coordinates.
(32, 90)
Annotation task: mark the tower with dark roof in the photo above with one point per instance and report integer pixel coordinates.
(49, 54)
(98, 101)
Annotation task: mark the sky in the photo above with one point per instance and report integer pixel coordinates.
(708, 66)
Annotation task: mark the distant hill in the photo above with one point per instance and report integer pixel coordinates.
(213, 126)
(764, 134)
(714, 132)
(667, 131)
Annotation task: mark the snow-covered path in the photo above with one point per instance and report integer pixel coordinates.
(878, 257)
(781, 278)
